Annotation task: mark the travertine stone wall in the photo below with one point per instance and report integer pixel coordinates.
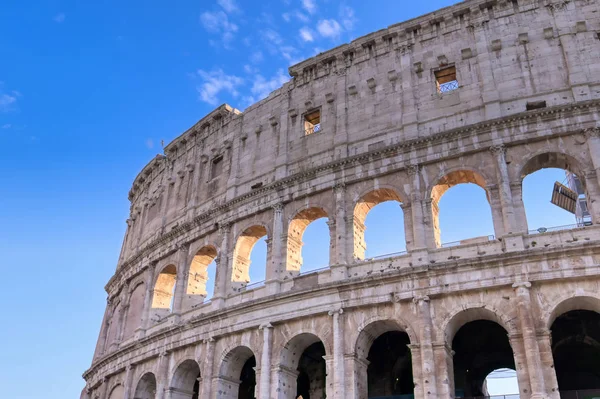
(386, 134)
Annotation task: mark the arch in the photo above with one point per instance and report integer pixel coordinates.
(236, 373)
(185, 383)
(574, 173)
(198, 271)
(573, 303)
(164, 287)
(112, 335)
(117, 392)
(135, 310)
(241, 254)
(384, 365)
(362, 208)
(446, 182)
(455, 321)
(296, 228)
(146, 387)
(302, 366)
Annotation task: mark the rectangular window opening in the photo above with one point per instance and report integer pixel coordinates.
(312, 122)
(216, 167)
(445, 80)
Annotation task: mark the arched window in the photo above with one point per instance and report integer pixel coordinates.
(134, 313)
(502, 383)
(201, 276)
(164, 288)
(379, 227)
(146, 387)
(461, 210)
(237, 379)
(304, 354)
(117, 392)
(185, 383)
(311, 220)
(244, 248)
(480, 347)
(554, 193)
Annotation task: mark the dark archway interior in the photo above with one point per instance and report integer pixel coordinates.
(576, 350)
(390, 366)
(480, 347)
(311, 372)
(196, 391)
(248, 380)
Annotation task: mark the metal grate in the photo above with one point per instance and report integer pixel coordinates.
(448, 86)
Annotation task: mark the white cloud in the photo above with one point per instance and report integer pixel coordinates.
(301, 17)
(306, 34)
(261, 87)
(218, 22)
(229, 5)
(287, 17)
(256, 57)
(8, 100)
(59, 18)
(310, 6)
(347, 17)
(329, 28)
(215, 82)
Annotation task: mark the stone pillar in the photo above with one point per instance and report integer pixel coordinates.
(532, 350)
(284, 382)
(207, 370)
(101, 344)
(265, 362)
(593, 141)
(330, 379)
(408, 226)
(182, 278)
(496, 206)
(162, 376)
(516, 343)
(545, 344)
(443, 355)
(103, 390)
(519, 206)
(341, 239)
(338, 355)
(427, 357)
(357, 385)
(145, 322)
(276, 266)
(222, 267)
(127, 387)
(415, 351)
(423, 236)
(506, 200)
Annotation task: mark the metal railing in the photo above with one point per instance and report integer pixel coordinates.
(543, 230)
(490, 237)
(254, 286)
(448, 87)
(306, 273)
(392, 255)
(581, 394)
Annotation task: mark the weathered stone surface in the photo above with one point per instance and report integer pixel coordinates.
(387, 132)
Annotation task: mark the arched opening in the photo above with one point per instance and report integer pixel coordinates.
(466, 205)
(554, 193)
(480, 347)
(240, 276)
(200, 286)
(502, 383)
(164, 288)
(117, 392)
(237, 377)
(136, 308)
(383, 345)
(185, 383)
(304, 355)
(298, 226)
(576, 353)
(113, 329)
(146, 387)
(379, 209)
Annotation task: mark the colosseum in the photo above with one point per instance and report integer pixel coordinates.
(483, 92)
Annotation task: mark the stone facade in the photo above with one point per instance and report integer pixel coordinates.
(528, 97)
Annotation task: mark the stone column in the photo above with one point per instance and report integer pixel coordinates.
(265, 362)
(103, 390)
(443, 355)
(423, 236)
(427, 356)
(496, 206)
(516, 343)
(145, 322)
(127, 388)
(519, 206)
(506, 200)
(182, 278)
(341, 256)
(276, 266)
(357, 385)
(338, 355)
(162, 376)
(207, 370)
(415, 351)
(593, 141)
(408, 226)
(222, 267)
(545, 344)
(283, 382)
(532, 350)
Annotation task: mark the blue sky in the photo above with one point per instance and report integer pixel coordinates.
(88, 90)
